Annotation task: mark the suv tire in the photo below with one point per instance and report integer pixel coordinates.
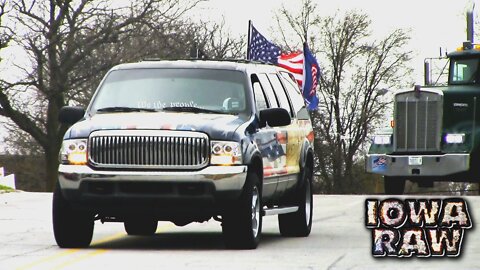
(242, 222)
(72, 228)
(299, 224)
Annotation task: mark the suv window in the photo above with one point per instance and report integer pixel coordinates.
(268, 90)
(295, 96)
(280, 92)
(260, 100)
(158, 88)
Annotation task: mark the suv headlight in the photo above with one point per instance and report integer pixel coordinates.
(382, 139)
(74, 152)
(225, 153)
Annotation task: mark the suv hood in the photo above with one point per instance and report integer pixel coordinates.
(217, 126)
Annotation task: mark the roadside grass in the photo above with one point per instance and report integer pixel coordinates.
(6, 189)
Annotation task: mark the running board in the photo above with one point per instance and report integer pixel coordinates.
(279, 210)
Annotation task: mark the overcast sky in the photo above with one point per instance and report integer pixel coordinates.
(433, 23)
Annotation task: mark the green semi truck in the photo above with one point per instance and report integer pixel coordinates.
(435, 132)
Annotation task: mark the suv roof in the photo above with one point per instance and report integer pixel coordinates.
(241, 65)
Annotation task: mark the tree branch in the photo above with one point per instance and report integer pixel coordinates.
(24, 122)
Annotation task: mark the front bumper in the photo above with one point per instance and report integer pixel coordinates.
(409, 165)
(84, 183)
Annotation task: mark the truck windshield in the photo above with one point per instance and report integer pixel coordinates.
(184, 90)
(464, 71)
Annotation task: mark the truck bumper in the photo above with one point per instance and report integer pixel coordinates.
(417, 165)
(82, 183)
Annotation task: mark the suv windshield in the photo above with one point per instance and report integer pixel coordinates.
(464, 71)
(184, 90)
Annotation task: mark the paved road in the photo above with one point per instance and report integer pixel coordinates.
(339, 240)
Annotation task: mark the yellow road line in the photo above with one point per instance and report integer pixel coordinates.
(69, 252)
(101, 251)
(47, 259)
(85, 256)
(108, 239)
(80, 258)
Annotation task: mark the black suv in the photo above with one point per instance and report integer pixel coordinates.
(187, 141)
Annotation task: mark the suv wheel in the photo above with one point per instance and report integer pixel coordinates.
(299, 224)
(72, 228)
(394, 185)
(140, 226)
(242, 222)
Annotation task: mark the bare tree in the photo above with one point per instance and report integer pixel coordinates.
(353, 107)
(353, 67)
(300, 25)
(216, 41)
(5, 37)
(60, 38)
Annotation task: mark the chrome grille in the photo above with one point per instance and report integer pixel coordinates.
(418, 121)
(148, 149)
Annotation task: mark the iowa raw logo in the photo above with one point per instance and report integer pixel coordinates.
(417, 227)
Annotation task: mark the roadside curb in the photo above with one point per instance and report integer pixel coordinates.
(10, 191)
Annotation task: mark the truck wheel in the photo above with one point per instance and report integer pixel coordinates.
(394, 185)
(242, 222)
(140, 226)
(299, 224)
(72, 228)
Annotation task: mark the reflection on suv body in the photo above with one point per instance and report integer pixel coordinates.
(187, 141)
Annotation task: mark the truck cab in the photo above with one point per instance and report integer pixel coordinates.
(434, 134)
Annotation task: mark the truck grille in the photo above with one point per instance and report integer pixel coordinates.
(148, 149)
(418, 121)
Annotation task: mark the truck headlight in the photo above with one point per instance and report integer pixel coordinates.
(74, 152)
(455, 138)
(225, 153)
(382, 139)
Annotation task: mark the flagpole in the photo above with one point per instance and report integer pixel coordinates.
(248, 43)
(304, 70)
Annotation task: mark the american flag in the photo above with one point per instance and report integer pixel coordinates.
(260, 49)
(306, 72)
(292, 62)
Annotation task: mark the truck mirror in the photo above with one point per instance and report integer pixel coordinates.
(70, 114)
(275, 117)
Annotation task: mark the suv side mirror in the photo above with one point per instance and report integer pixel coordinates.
(70, 114)
(275, 117)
